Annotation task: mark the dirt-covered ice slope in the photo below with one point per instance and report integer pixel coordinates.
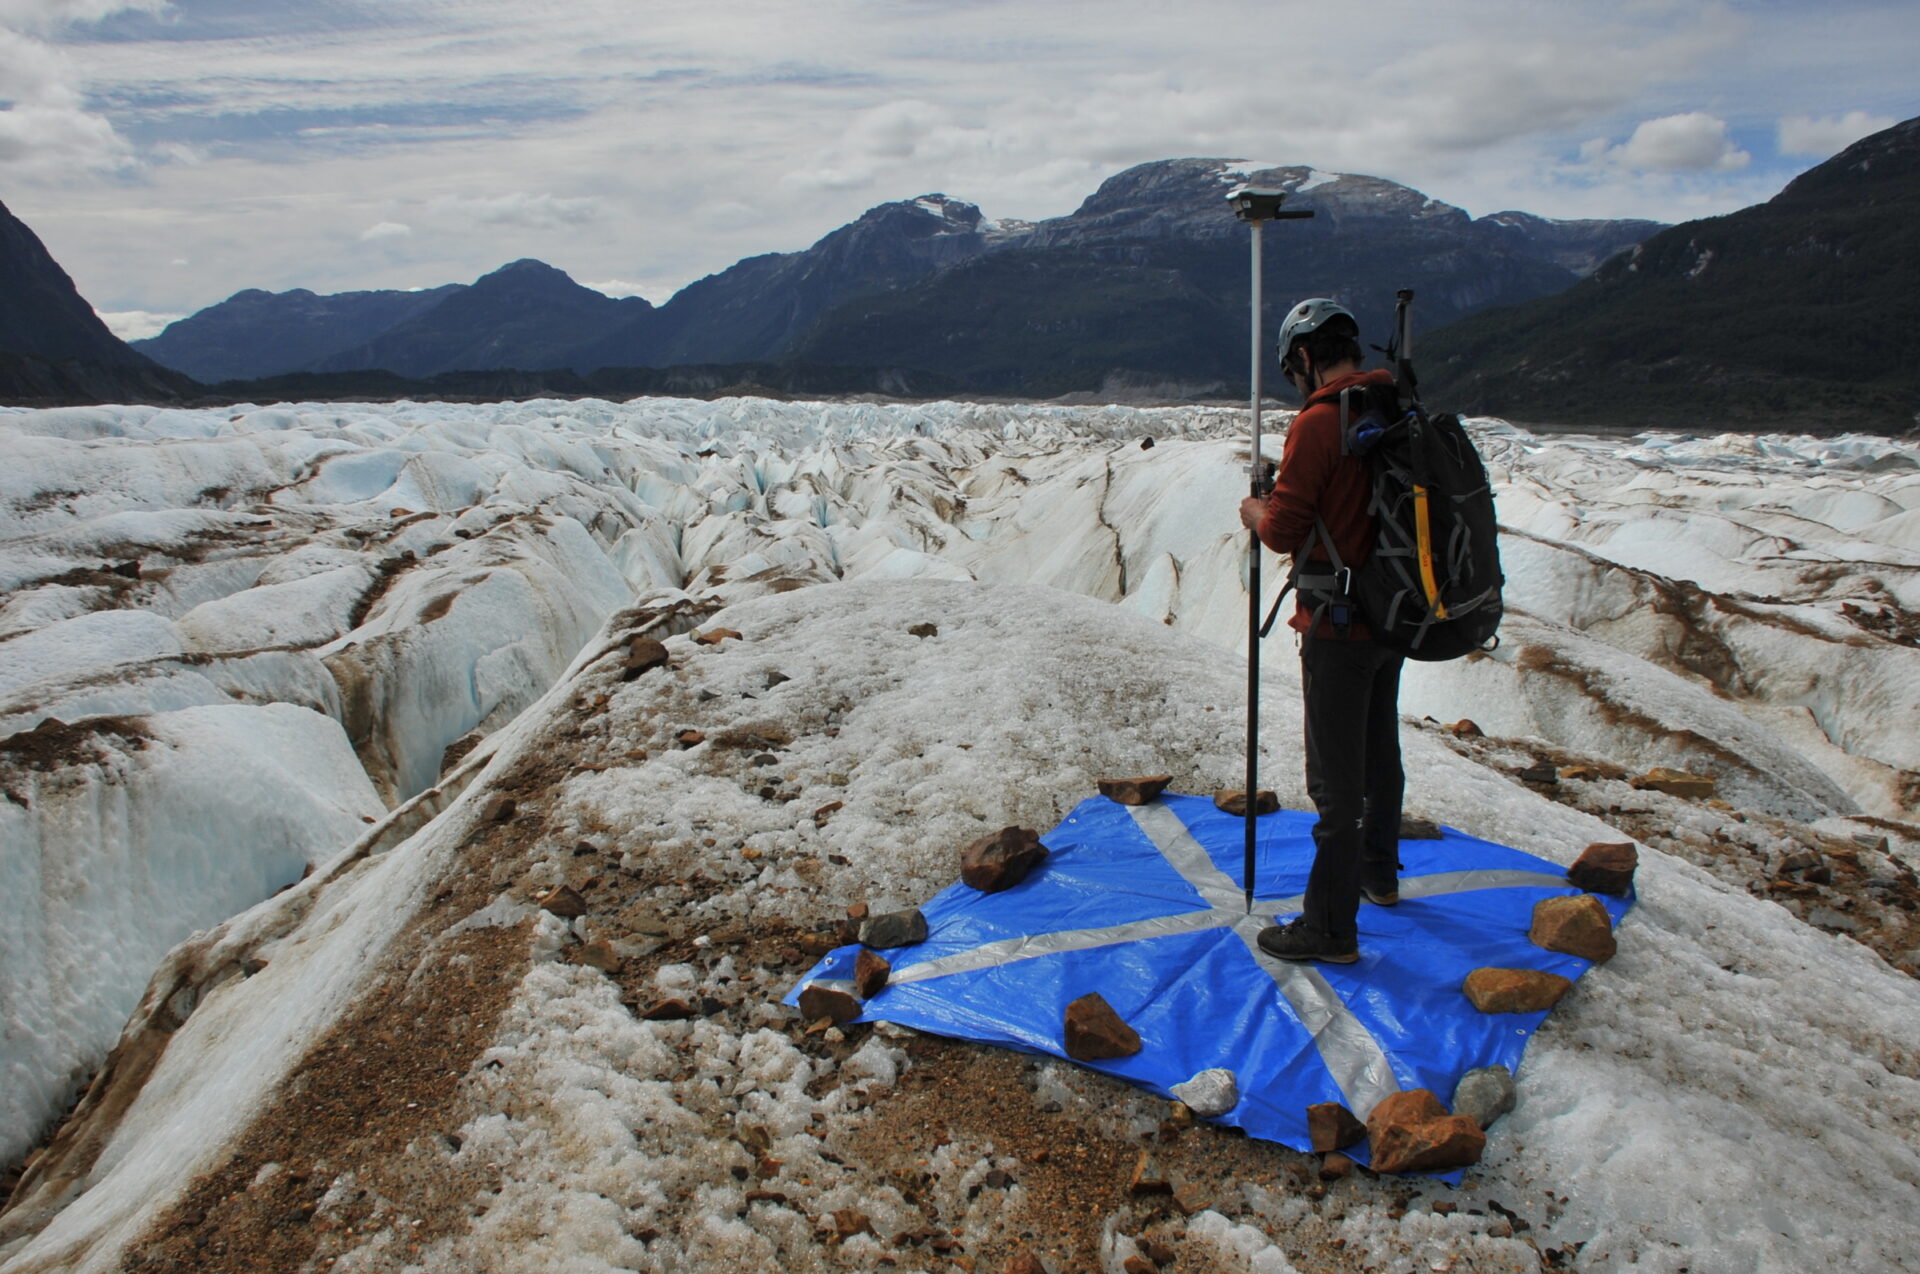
(425, 1070)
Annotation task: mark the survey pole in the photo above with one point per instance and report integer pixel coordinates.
(1257, 207)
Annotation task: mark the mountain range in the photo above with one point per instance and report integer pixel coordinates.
(1146, 283)
(1796, 312)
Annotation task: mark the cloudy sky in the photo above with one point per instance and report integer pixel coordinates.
(172, 152)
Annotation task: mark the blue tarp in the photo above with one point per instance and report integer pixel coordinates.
(1146, 906)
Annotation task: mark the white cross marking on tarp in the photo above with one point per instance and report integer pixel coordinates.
(1347, 1048)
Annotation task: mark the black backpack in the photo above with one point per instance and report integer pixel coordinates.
(1431, 587)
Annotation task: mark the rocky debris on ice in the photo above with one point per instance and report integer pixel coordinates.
(643, 655)
(1234, 801)
(1000, 860)
(889, 929)
(1514, 990)
(1605, 867)
(563, 901)
(1411, 1131)
(1211, 1093)
(1331, 1126)
(827, 1002)
(1148, 1177)
(1484, 1094)
(870, 974)
(1135, 791)
(1576, 926)
(1092, 1031)
(1676, 783)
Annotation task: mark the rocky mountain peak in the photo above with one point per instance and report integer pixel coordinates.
(525, 270)
(1875, 169)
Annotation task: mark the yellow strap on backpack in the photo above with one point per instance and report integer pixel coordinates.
(1424, 534)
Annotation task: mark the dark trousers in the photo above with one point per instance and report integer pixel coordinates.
(1353, 774)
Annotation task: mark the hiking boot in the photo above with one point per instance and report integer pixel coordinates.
(1295, 941)
(1384, 896)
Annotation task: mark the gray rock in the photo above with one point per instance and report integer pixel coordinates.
(1484, 1094)
(1210, 1094)
(894, 929)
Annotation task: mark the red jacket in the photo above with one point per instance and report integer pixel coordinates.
(1315, 478)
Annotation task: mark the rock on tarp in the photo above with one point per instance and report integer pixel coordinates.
(1144, 904)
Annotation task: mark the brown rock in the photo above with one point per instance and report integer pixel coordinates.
(1577, 926)
(1331, 1126)
(1190, 1197)
(1466, 729)
(1137, 1264)
(1002, 859)
(1335, 1166)
(827, 811)
(847, 1222)
(498, 809)
(1137, 791)
(672, 1009)
(894, 929)
(644, 653)
(1234, 802)
(1411, 1131)
(1541, 773)
(599, 954)
(1025, 1262)
(690, 738)
(1514, 990)
(1094, 1031)
(924, 630)
(870, 974)
(714, 636)
(563, 902)
(818, 1001)
(1412, 828)
(1147, 1177)
(1605, 868)
(1676, 783)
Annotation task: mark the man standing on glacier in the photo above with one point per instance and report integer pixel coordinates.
(1351, 682)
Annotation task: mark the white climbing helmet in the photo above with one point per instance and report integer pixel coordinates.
(1310, 316)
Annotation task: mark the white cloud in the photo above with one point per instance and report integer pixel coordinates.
(385, 230)
(525, 211)
(618, 288)
(1693, 142)
(46, 133)
(47, 15)
(1828, 135)
(137, 325)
